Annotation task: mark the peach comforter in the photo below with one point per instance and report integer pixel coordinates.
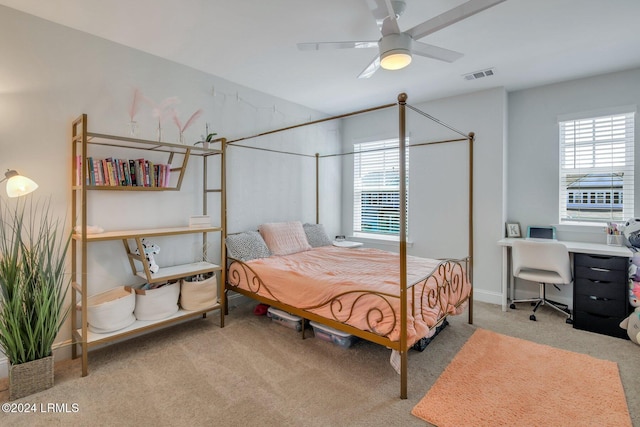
(359, 287)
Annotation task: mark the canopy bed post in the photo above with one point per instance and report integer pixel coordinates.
(223, 210)
(470, 268)
(317, 188)
(402, 101)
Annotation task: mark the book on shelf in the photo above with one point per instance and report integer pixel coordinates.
(122, 172)
(132, 173)
(100, 177)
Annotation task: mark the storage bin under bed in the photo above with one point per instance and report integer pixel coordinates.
(335, 336)
(285, 319)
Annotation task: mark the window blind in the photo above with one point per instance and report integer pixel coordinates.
(376, 192)
(597, 168)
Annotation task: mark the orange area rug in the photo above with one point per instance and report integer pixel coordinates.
(497, 380)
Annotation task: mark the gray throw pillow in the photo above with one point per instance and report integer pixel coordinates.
(247, 246)
(316, 235)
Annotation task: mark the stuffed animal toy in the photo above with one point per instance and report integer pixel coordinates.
(634, 267)
(150, 249)
(632, 231)
(634, 293)
(632, 325)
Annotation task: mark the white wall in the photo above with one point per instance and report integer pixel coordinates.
(438, 193)
(533, 155)
(50, 74)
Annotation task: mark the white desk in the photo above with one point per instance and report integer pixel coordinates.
(573, 247)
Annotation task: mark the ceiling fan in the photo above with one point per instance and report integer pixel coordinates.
(397, 47)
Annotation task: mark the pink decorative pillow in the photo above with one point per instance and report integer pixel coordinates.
(284, 238)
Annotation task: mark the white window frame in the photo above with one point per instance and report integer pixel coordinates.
(371, 157)
(598, 143)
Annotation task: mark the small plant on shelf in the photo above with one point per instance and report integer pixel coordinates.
(208, 139)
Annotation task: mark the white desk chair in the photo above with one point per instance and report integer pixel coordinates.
(545, 262)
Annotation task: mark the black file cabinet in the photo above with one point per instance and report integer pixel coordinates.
(600, 293)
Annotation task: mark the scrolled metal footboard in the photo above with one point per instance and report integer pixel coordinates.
(251, 278)
(443, 288)
(375, 315)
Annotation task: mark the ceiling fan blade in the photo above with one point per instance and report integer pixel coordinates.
(371, 68)
(390, 23)
(435, 52)
(452, 16)
(379, 10)
(337, 45)
(385, 16)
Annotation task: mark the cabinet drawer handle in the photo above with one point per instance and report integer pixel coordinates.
(595, 298)
(601, 316)
(604, 270)
(600, 282)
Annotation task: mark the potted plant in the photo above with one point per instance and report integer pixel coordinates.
(206, 139)
(34, 284)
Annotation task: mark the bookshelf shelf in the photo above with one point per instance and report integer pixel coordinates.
(87, 176)
(141, 326)
(145, 232)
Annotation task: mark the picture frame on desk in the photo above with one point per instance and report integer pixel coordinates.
(513, 229)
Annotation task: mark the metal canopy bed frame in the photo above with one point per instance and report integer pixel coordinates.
(450, 267)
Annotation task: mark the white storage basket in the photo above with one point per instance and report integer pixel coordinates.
(158, 303)
(111, 310)
(199, 295)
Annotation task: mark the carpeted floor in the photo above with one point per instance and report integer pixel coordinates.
(255, 373)
(498, 380)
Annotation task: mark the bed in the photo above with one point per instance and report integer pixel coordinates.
(358, 287)
(389, 298)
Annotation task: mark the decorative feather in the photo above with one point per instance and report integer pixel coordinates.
(188, 123)
(192, 119)
(160, 111)
(135, 104)
(176, 120)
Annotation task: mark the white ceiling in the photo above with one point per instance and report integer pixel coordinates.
(253, 43)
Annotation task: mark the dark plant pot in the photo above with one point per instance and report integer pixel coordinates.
(31, 377)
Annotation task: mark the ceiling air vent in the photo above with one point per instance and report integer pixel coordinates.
(479, 74)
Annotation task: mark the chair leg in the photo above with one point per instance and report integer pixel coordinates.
(533, 301)
(517, 301)
(562, 308)
(538, 304)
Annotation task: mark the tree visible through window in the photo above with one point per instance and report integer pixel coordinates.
(596, 168)
(376, 192)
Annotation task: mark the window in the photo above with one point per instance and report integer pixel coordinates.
(376, 192)
(596, 168)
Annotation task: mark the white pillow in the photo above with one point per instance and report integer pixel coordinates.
(284, 238)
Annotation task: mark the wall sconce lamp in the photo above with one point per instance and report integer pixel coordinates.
(18, 185)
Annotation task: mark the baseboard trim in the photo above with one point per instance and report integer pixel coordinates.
(4, 361)
(487, 296)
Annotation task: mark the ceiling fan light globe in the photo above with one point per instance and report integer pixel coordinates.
(395, 51)
(395, 59)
